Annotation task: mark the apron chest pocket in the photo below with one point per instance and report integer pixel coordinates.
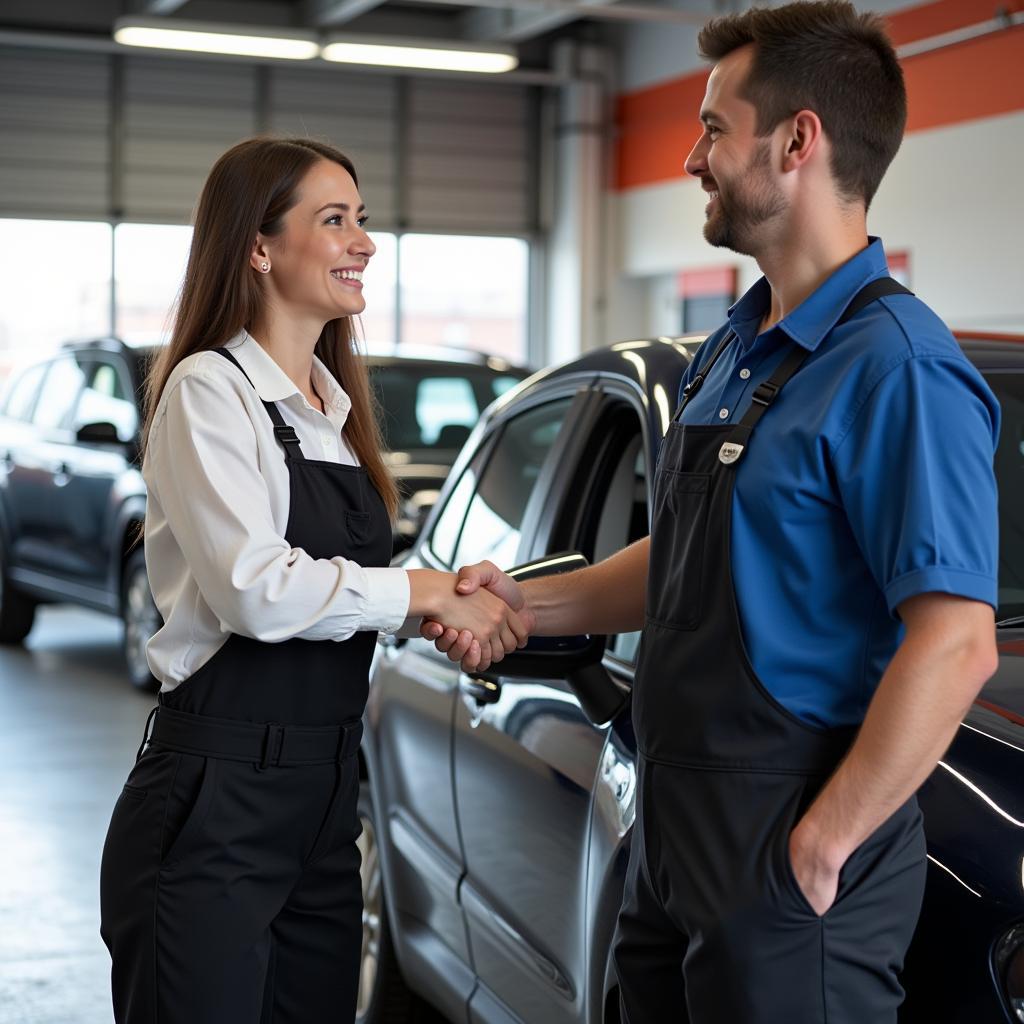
(675, 582)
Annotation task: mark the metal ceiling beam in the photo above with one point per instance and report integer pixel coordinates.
(325, 13)
(503, 23)
(157, 7)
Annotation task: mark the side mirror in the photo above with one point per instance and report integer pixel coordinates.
(98, 433)
(577, 659)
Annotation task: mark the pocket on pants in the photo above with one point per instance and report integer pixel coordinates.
(675, 576)
(188, 806)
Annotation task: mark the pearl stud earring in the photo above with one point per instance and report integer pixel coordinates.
(264, 267)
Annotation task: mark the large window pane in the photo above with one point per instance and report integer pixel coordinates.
(378, 319)
(465, 292)
(149, 264)
(54, 285)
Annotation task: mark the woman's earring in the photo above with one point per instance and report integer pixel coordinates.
(264, 267)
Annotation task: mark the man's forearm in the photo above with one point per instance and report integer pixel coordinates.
(609, 597)
(945, 659)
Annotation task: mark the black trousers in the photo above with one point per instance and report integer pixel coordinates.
(714, 928)
(231, 894)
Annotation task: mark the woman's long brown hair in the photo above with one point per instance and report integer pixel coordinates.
(250, 189)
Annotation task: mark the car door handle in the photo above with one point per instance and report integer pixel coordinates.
(483, 691)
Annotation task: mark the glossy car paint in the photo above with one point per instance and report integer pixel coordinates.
(505, 826)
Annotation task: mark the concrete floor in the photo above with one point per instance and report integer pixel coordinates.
(69, 730)
(70, 726)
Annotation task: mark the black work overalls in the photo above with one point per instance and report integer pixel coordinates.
(230, 889)
(714, 928)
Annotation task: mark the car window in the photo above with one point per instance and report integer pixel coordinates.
(60, 390)
(432, 408)
(1009, 464)
(21, 397)
(499, 385)
(448, 525)
(103, 400)
(495, 516)
(443, 403)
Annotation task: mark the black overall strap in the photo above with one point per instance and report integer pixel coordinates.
(767, 392)
(284, 433)
(698, 379)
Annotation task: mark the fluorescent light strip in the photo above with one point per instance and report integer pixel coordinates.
(216, 42)
(383, 55)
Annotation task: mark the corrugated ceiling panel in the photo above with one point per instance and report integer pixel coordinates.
(468, 157)
(54, 134)
(355, 113)
(179, 116)
(467, 145)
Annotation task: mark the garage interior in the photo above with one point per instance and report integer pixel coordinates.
(553, 196)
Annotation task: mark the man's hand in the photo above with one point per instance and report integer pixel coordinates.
(462, 646)
(817, 877)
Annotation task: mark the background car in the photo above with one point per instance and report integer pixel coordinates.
(72, 499)
(498, 809)
(429, 407)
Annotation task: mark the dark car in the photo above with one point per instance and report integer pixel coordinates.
(72, 499)
(429, 407)
(498, 809)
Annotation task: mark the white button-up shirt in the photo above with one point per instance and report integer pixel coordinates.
(217, 511)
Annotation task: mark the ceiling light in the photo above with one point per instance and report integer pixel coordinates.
(439, 56)
(203, 37)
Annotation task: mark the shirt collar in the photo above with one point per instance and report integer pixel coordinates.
(812, 320)
(272, 384)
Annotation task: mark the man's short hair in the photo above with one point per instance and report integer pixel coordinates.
(826, 57)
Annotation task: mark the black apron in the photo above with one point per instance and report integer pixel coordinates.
(714, 926)
(230, 887)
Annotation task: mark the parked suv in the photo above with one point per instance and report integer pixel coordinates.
(498, 809)
(72, 499)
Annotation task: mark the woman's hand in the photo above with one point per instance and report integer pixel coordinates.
(460, 646)
(485, 626)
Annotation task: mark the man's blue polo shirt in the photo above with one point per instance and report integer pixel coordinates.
(868, 481)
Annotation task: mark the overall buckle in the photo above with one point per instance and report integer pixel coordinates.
(273, 743)
(764, 394)
(286, 434)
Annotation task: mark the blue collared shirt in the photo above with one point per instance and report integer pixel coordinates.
(868, 481)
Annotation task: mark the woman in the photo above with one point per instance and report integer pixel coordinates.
(230, 880)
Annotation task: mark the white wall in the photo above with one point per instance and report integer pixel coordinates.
(952, 197)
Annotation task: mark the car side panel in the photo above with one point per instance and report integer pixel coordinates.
(409, 722)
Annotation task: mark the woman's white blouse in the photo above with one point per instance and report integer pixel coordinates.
(217, 511)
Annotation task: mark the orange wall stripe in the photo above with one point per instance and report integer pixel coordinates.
(934, 19)
(657, 126)
(657, 129)
(979, 78)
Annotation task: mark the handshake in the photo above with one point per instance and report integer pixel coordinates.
(476, 622)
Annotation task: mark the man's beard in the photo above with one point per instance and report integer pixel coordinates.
(753, 201)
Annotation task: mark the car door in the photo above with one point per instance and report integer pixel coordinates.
(38, 482)
(526, 761)
(97, 468)
(408, 738)
(17, 436)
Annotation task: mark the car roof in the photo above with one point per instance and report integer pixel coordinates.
(492, 364)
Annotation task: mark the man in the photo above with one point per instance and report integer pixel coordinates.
(817, 593)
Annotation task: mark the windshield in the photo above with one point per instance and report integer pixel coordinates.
(434, 407)
(1009, 389)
